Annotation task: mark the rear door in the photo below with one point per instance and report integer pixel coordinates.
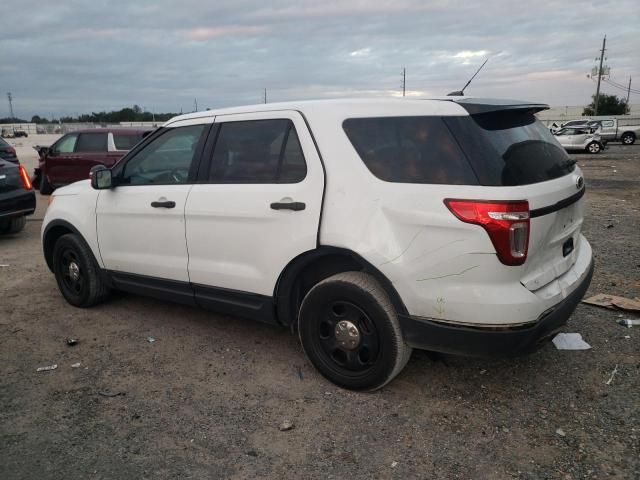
(140, 222)
(257, 205)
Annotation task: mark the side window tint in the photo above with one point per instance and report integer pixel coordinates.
(166, 160)
(92, 142)
(66, 144)
(607, 123)
(409, 150)
(126, 142)
(258, 151)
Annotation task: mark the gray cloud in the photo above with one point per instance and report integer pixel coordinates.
(75, 56)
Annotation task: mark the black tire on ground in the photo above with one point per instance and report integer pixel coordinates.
(628, 138)
(594, 147)
(45, 186)
(352, 302)
(13, 225)
(77, 273)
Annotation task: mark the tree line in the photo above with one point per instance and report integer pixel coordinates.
(127, 114)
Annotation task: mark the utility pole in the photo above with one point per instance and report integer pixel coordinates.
(628, 92)
(404, 80)
(10, 97)
(195, 104)
(604, 42)
(265, 95)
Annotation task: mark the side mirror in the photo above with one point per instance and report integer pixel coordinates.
(101, 178)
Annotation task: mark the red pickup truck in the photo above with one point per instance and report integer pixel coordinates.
(72, 156)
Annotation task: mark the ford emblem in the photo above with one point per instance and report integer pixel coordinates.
(579, 183)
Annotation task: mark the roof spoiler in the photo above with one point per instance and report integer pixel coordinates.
(476, 106)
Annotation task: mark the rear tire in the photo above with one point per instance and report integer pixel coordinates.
(628, 138)
(77, 273)
(350, 332)
(13, 225)
(45, 186)
(594, 147)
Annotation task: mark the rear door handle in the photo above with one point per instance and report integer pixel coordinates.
(165, 204)
(296, 206)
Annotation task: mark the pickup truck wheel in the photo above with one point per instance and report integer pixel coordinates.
(77, 273)
(13, 225)
(628, 138)
(594, 147)
(350, 332)
(45, 186)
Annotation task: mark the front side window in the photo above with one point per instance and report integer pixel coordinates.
(258, 151)
(166, 160)
(607, 123)
(409, 150)
(92, 142)
(66, 144)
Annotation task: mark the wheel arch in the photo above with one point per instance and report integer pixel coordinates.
(53, 231)
(313, 266)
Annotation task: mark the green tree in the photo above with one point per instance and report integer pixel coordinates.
(607, 105)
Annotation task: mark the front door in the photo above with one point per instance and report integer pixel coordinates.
(141, 221)
(258, 205)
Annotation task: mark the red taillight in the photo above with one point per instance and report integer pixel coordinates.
(506, 222)
(26, 181)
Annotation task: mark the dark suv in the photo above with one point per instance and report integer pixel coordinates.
(72, 156)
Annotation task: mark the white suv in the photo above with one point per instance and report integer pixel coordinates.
(370, 226)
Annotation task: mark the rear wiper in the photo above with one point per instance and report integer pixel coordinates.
(559, 167)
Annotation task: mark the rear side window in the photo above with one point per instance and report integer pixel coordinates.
(258, 151)
(126, 141)
(91, 142)
(409, 150)
(509, 148)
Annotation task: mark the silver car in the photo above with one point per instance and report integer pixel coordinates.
(583, 138)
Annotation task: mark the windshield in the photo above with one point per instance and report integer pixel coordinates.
(508, 148)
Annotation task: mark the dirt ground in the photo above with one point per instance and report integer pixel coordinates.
(206, 398)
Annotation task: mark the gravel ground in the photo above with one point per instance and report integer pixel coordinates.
(206, 398)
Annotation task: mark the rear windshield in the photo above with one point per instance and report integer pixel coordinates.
(494, 149)
(126, 141)
(510, 148)
(409, 150)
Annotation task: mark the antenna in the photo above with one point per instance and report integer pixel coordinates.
(460, 93)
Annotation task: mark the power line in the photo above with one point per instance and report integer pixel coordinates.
(621, 87)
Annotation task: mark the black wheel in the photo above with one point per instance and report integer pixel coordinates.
(594, 147)
(350, 332)
(13, 225)
(45, 186)
(77, 273)
(628, 138)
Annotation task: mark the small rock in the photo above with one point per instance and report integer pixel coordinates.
(286, 426)
(505, 429)
(151, 339)
(394, 464)
(560, 432)
(75, 365)
(483, 371)
(72, 341)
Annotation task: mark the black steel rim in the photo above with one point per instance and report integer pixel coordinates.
(73, 285)
(361, 358)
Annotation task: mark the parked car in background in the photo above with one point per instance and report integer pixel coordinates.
(610, 129)
(583, 138)
(71, 158)
(7, 152)
(14, 133)
(17, 198)
(372, 226)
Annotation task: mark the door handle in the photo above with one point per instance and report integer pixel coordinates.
(165, 204)
(295, 206)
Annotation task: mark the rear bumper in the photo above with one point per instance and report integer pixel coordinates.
(17, 203)
(442, 337)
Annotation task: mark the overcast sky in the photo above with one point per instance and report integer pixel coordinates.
(67, 57)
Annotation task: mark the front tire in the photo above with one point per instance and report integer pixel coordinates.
(628, 138)
(45, 186)
(350, 332)
(13, 225)
(594, 147)
(78, 276)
